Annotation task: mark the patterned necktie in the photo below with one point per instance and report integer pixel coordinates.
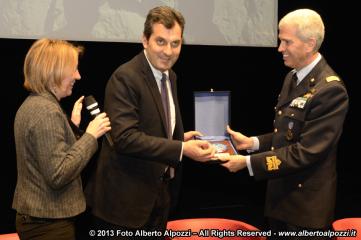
(169, 171)
(166, 107)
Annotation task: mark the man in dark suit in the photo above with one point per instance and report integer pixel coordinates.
(133, 181)
(299, 155)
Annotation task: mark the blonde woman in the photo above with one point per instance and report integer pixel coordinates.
(50, 153)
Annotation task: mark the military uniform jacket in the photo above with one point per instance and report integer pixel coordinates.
(299, 156)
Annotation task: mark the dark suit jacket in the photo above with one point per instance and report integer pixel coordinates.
(128, 176)
(299, 156)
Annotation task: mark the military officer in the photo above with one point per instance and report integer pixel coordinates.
(299, 156)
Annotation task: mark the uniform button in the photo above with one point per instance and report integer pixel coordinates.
(275, 108)
(276, 130)
(272, 148)
(292, 114)
(299, 185)
(279, 112)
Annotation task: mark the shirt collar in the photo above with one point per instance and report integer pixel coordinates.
(302, 73)
(157, 74)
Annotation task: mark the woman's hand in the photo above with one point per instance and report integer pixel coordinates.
(99, 126)
(76, 113)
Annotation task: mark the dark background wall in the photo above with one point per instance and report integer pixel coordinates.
(254, 75)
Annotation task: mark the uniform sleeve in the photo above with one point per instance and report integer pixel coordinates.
(265, 142)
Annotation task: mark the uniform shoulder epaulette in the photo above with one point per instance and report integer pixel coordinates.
(332, 78)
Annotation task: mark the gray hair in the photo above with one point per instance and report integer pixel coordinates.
(308, 24)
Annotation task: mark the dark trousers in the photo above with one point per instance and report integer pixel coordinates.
(280, 226)
(155, 224)
(44, 228)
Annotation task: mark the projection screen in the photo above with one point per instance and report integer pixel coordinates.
(208, 22)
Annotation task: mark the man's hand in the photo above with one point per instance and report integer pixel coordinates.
(240, 141)
(199, 150)
(191, 134)
(234, 162)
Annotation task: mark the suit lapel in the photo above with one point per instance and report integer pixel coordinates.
(304, 87)
(153, 88)
(300, 90)
(284, 95)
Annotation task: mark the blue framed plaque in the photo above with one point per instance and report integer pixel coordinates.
(211, 116)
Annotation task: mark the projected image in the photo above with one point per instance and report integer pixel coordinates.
(208, 22)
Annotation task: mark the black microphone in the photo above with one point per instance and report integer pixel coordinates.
(94, 111)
